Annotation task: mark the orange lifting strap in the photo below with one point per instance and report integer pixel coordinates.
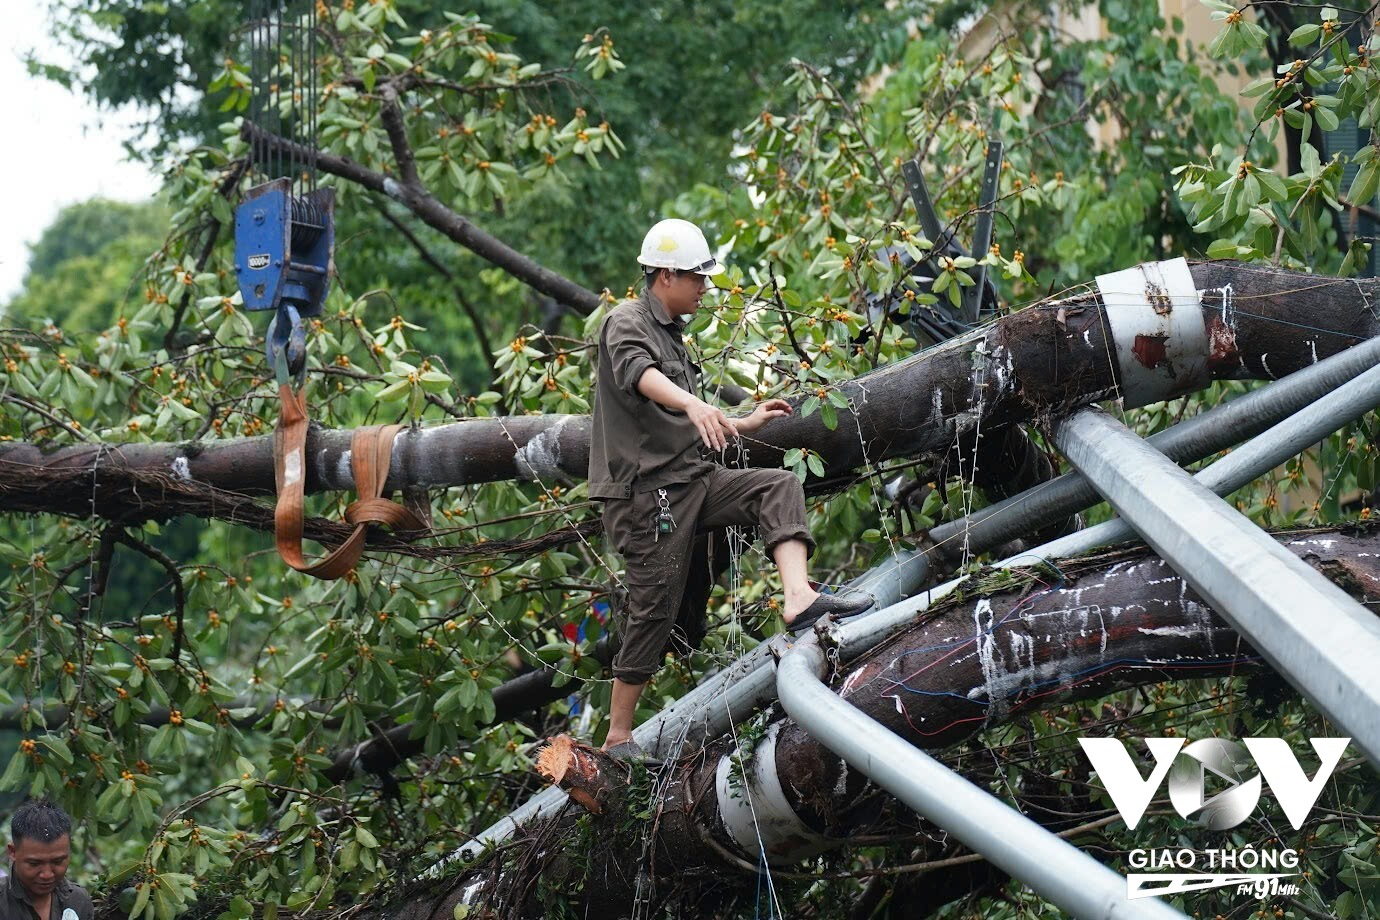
(371, 451)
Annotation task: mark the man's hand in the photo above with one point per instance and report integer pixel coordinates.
(765, 412)
(715, 428)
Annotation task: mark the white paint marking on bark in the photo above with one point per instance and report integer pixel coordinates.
(1022, 649)
(849, 681)
(1226, 291)
(540, 458)
(1318, 541)
(1181, 631)
(1202, 616)
(344, 471)
(990, 659)
(842, 785)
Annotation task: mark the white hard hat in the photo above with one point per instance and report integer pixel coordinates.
(675, 243)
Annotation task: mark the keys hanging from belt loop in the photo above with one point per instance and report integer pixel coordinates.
(663, 522)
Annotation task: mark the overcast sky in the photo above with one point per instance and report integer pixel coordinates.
(58, 148)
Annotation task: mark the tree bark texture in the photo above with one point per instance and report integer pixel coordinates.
(1101, 625)
(1035, 364)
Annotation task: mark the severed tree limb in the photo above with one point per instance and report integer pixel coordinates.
(1035, 364)
(1109, 623)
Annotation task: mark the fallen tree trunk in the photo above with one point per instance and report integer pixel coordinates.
(1033, 364)
(689, 837)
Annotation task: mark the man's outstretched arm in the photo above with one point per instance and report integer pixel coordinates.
(714, 427)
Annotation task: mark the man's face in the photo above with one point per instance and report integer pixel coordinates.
(681, 292)
(40, 866)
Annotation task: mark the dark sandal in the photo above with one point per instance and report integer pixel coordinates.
(840, 607)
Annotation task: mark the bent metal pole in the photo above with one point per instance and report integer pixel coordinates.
(1344, 404)
(1308, 629)
(1055, 869)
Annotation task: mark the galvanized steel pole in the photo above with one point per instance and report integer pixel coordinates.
(1348, 402)
(1201, 436)
(1308, 629)
(1055, 869)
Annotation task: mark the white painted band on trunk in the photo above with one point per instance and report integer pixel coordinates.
(1156, 319)
(755, 812)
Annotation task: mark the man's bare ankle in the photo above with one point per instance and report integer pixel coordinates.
(613, 740)
(796, 604)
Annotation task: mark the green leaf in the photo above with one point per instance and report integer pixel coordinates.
(1364, 185)
(58, 748)
(815, 463)
(1308, 159)
(141, 898)
(1305, 35)
(394, 391)
(435, 382)
(1355, 257)
(829, 415)
(1225, 249)
(14, 773)
(1272, 184)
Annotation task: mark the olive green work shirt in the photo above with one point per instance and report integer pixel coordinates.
(15, 903)
(635, 443)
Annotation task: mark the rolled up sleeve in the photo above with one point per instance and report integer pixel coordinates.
(628, 355)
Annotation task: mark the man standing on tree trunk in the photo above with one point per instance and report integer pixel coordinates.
(39, 849)
(658, 493)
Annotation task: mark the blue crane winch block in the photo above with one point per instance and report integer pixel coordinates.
(284, 252)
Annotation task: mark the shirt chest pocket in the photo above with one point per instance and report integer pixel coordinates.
(679, 371)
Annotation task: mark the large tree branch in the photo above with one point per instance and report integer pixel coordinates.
(433, 213)
(1037, 363)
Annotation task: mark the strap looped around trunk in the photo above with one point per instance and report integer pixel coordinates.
(371, 451)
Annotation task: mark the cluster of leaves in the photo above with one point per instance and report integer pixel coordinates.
(1260, 214)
